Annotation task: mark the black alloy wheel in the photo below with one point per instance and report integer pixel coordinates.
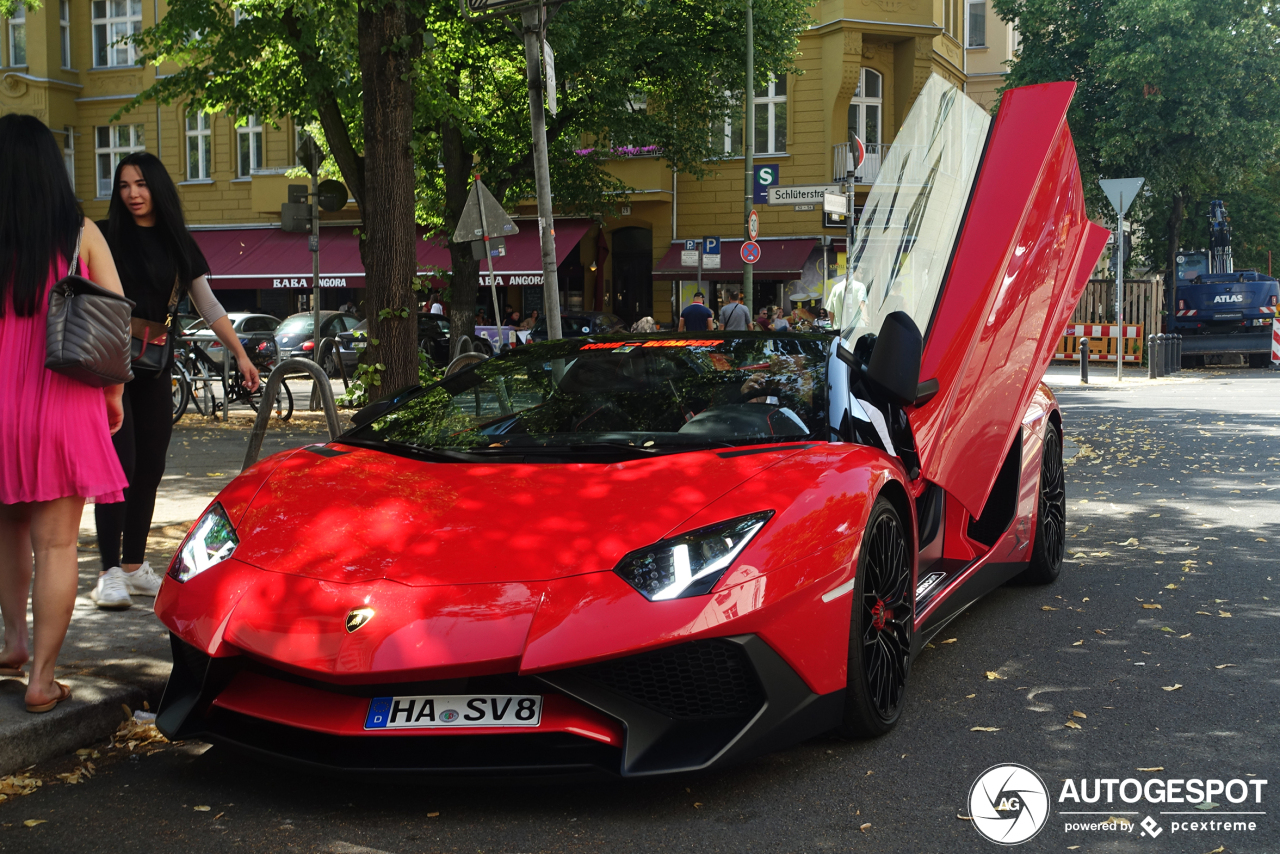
(1051, 517)
(881, 627)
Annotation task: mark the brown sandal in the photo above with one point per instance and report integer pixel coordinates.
(49, 706)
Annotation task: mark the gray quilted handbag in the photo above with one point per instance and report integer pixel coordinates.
(88, 330)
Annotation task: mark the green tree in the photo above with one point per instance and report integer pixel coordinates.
(1181, 92)
(412, 98)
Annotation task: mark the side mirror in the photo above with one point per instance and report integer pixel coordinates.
(893, 370)
(371, 413)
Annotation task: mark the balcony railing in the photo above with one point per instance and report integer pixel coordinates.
(864, 174)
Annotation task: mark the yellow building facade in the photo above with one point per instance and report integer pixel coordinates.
(862, 63)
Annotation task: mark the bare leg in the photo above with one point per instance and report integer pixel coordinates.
(55, 528)
(15, 581)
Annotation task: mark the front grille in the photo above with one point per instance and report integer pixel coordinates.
(701, 680)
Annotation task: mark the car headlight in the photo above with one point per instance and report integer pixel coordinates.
(210, 542)
(692, 563)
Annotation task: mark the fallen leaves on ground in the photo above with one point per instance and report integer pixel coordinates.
(1152, 607)
(201, 808)
(1220, 666)
(134, 734)
(1173, 687)
(1132, 541)
(991, 674)
(1072, 725)
(17, 784)
(1154, 768)
(1171, 587)
(32, 822)
(949, 640)
(865, 827)
(78, 774)
(984, 729)
(1047, 608)
(1079, 715)
(1224, 613)
(1078, 643)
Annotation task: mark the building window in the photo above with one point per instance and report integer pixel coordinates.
(113, 143)
(249, 136)
(771, 118)
(865, 109)
(18, 37)
(113, 22)
(199, 146)
(69, 153)
(977, 23)
(64, 31)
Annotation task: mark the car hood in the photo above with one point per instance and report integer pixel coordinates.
(348, 515)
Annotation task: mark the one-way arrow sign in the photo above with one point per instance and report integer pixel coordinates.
(472, 225)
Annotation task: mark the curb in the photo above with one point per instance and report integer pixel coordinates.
(92, 714)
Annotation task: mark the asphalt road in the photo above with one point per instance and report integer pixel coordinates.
(1173, 498)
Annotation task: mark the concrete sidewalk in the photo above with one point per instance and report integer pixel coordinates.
(122, 657)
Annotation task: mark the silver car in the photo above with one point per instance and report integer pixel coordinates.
(244, 324)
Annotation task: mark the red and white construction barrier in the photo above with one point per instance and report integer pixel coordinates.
(1275, 341)
(1095, 357)
(1084, 330)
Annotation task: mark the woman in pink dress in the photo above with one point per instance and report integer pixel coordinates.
(55, 433)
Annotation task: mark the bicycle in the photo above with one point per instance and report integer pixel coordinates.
(195, 375)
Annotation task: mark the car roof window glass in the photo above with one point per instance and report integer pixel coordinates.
(914, 211)
(672, 394)
(294, 325)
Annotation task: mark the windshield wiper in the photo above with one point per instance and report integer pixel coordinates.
(442, 454)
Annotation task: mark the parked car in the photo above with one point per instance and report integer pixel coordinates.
(580, 323)
(433, 338)
(245, 326)
(294, 338)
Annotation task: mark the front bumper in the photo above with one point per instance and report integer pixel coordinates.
(679, 708)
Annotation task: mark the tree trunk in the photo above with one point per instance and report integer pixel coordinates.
(389, 46)
(466, 270)
(1176, 215)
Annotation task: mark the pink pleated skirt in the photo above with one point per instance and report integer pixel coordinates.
(54, 438)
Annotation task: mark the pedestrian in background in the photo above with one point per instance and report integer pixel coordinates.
(777, 321)
(530, 321)
(158, 261)
(696, 317)
(437, 307)
(735, 317)
(55, 432)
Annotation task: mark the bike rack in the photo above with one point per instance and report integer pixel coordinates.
(290, 366)
(327, 345)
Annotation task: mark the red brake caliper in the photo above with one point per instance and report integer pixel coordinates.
(880, 615)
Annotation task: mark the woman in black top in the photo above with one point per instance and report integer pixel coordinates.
(149, 240)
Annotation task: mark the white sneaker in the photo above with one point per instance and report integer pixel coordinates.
(142, 581)
(111, 592)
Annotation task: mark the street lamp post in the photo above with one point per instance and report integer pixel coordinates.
(748, 141)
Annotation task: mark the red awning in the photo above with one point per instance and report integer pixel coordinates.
(779, 259)
(270, 258)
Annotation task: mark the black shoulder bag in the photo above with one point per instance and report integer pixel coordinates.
(87, 330)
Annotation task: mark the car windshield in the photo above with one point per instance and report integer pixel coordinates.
(645, 396)
(913, 213)
(294, 325)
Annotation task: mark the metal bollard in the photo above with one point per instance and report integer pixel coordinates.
(1163, 343)
(1168, 357)
(1084, 361)
(1153, 353)
(1177, 352)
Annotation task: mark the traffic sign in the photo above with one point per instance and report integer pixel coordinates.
(689, 254)
(1121, 192)
(750, 252)
(711, 253)
(472, 226)
(765, 177)
(753, 225)
(801, 194)
(333, 195)
(859, 152)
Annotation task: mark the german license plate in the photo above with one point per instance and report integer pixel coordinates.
(455, 711)
(359, 345)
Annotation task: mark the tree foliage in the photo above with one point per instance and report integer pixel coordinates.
(660, 73)
(1181, 92)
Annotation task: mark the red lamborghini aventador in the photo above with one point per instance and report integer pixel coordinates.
(643, 555)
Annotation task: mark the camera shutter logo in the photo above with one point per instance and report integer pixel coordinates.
(1009, 804)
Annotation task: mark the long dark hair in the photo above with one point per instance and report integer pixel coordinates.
(39, 215)
(122, 231)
